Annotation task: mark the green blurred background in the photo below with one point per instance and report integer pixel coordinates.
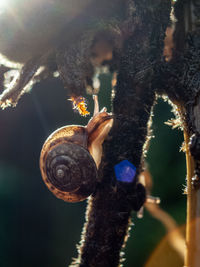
(36, 228)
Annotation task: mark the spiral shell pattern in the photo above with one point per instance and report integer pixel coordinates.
(69, 171)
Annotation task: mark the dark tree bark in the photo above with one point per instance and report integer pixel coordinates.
(180, 81)
(109, 209)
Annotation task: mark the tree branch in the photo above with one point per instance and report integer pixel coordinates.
(109, 209)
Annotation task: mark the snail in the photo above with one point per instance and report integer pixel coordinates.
(71, 156)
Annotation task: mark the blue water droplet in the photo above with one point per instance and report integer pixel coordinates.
(125, 171)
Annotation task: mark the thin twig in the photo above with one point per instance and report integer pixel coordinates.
(192, 258)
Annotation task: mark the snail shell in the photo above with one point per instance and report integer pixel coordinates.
(70, 157)
(67, 167)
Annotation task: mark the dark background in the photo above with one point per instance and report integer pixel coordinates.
(36, 228)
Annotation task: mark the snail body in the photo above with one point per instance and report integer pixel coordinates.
(71, 156)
